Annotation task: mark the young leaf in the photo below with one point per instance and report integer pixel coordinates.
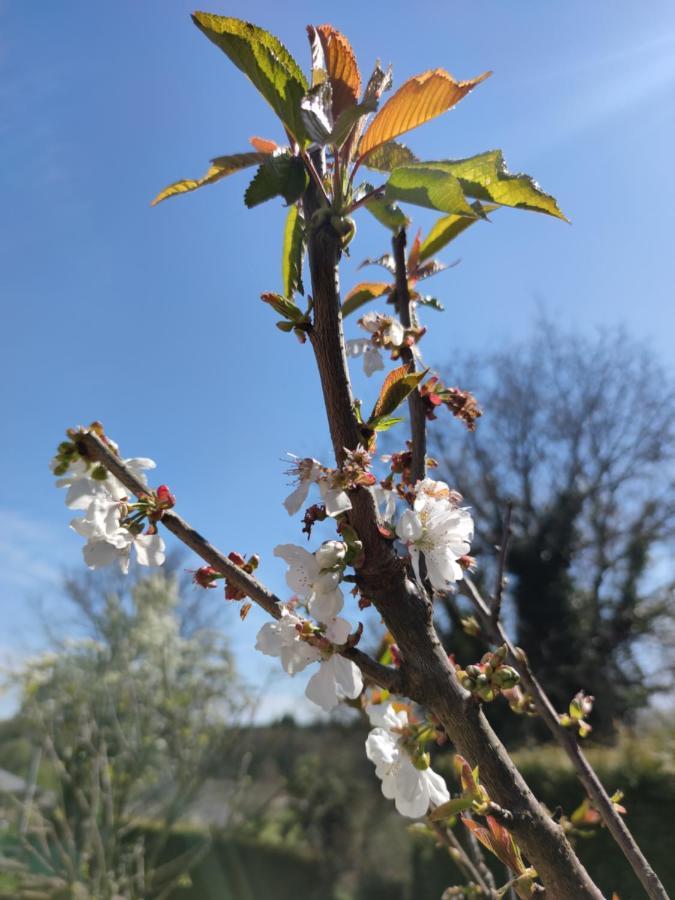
(342, 69)
(384, 423)
(348, 119)
(265, 60)
(486, 177)
(390, 156)
(398, 384)
(294, 245)
(283, 176)
(451, 808)
(428, 186)
(263, 145)
(420, 99)
(380, 81)
(450, 227)
(283, 306)
(315, 108)
(362, 293)
(220, 167)
(388, 214)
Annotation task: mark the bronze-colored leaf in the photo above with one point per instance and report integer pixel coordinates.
(342, 68)
(263, 145)
(362, 293)
(220, 167)
(420, 99)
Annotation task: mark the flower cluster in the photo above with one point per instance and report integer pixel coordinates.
(315, 577)
(438, 528)
(386, 332)
(401, 763)
(333, 483)
(111, 525)
(490, 677)
(336, 679)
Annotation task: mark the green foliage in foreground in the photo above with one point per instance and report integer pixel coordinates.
(307, 852)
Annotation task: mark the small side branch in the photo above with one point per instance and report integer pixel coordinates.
(385, 677)
(567, 740)
(418, 419)
(496, 605)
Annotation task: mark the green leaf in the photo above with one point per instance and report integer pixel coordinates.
(398, 384)
(486, 177)
(294, 245)
(384, 423)
(390, 156)
(279, 176)
(362, 293)
(448, 228)
(264, 59)
(451, 808)
(388, 214)
(429, 186)
(284, 307)
(221, 166)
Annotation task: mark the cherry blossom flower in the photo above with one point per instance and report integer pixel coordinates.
(315, 577)
(307, 472)
(108, 541)
(335, 499)
(438, 528)
(82, 488)
(282, 638)
(387, 332)
(336, 678)
(372, 358)
(412, 787)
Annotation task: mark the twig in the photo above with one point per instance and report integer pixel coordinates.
(496, 605)
(418, 419)
(461, 857)
(567, 740)
(384, 676)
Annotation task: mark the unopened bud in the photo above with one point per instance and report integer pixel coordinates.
(330, 553)
(505, 678)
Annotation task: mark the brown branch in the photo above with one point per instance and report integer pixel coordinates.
(496, 604)
(387, 678)
(428, 677)
(418, 418)
(567, 740)
(459, 855)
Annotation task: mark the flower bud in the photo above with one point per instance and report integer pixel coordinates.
(330, 553)
(505, 677)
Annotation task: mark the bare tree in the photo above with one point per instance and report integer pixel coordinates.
(578, 439)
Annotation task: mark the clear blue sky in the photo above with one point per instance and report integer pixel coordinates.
(149, 319)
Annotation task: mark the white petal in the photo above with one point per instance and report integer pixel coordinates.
(325, 606)
(383, 715)
(335, 500)
(268, 640)
(338, 630)
(381, 748)
(386, 502)
(412, 800)
(357, 347)
(150, 550)
(321, 688)
(372, 361)
(436, 787)
(409, 528)
(295, 500)
(347, 676)
(99, 554)
(330, 553)
(303, 568)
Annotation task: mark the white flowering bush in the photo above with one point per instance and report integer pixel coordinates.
(402, 538)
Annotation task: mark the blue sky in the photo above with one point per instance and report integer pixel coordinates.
(149, 319)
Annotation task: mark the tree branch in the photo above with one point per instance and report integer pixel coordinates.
(567, 740)
(428, 677)
(387, 678)
(418, 418)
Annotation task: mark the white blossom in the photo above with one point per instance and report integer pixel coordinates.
(316, 581)
(82, 488)
(335, 499)
(307, 472)
(411, 788)
(386, 502)
(438, 528)
(337, 677)
(108, 541)
(282, 638)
